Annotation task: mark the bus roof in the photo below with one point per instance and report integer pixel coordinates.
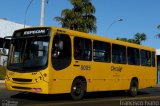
(95, 37)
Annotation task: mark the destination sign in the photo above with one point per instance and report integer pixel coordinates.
(40, 31)
(29, 32)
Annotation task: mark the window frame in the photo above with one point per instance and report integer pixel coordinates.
(85, 53)
(153, 59)
(137, 63)
(119, 56)
(146, 63)
(55, 56)
(106, 46)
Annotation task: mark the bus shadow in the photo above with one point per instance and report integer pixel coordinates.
(66, 97)
(42, 97)
(112, 94)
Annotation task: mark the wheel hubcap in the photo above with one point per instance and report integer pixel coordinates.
(77, 89)
(134, 90)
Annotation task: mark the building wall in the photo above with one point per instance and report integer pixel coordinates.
(3, 60)
(6, 29)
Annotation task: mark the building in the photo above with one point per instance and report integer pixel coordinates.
(6, 29)
(158, 63)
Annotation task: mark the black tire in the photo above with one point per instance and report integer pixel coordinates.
(78, 89)
(133, 88)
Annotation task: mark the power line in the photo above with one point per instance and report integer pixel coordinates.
(42, 11)
(26, 12)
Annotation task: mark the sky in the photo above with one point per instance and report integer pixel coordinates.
(139, 16)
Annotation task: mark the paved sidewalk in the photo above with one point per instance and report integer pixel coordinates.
(2, 81)
(158, 85)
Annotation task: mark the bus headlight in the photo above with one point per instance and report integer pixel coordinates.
(7, 78)
(11, 74)
(36, 80)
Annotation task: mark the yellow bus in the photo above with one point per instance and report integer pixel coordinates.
(51, 60)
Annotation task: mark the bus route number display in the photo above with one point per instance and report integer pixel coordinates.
(85, 67)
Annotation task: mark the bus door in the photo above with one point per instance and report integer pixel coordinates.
(61, 54)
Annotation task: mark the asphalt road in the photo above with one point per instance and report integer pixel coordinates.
(147, 97)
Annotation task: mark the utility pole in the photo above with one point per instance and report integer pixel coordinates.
(42, 13)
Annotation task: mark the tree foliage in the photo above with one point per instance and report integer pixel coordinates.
(137, 38)
(80, 17)
(158, 35)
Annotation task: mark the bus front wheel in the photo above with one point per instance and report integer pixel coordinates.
(78, 89)
(133, 88)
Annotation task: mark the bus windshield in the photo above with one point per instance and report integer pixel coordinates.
(28, 53)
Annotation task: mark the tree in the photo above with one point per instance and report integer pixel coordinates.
(80, 17)
(137, 39)
(122, 39)
(127, 40)
(158, 35)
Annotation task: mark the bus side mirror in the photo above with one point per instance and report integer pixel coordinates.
(6, 43)
(3, 51)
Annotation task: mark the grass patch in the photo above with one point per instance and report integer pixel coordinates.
(2, 72)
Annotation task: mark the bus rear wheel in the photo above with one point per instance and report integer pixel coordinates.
(78, 89)
(133, 88)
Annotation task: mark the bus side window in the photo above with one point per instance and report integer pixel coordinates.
(149, 58)
(101, 51)
(133, 56)
(118, 54)
(145, 58)
(153, 59)
(82, 49)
